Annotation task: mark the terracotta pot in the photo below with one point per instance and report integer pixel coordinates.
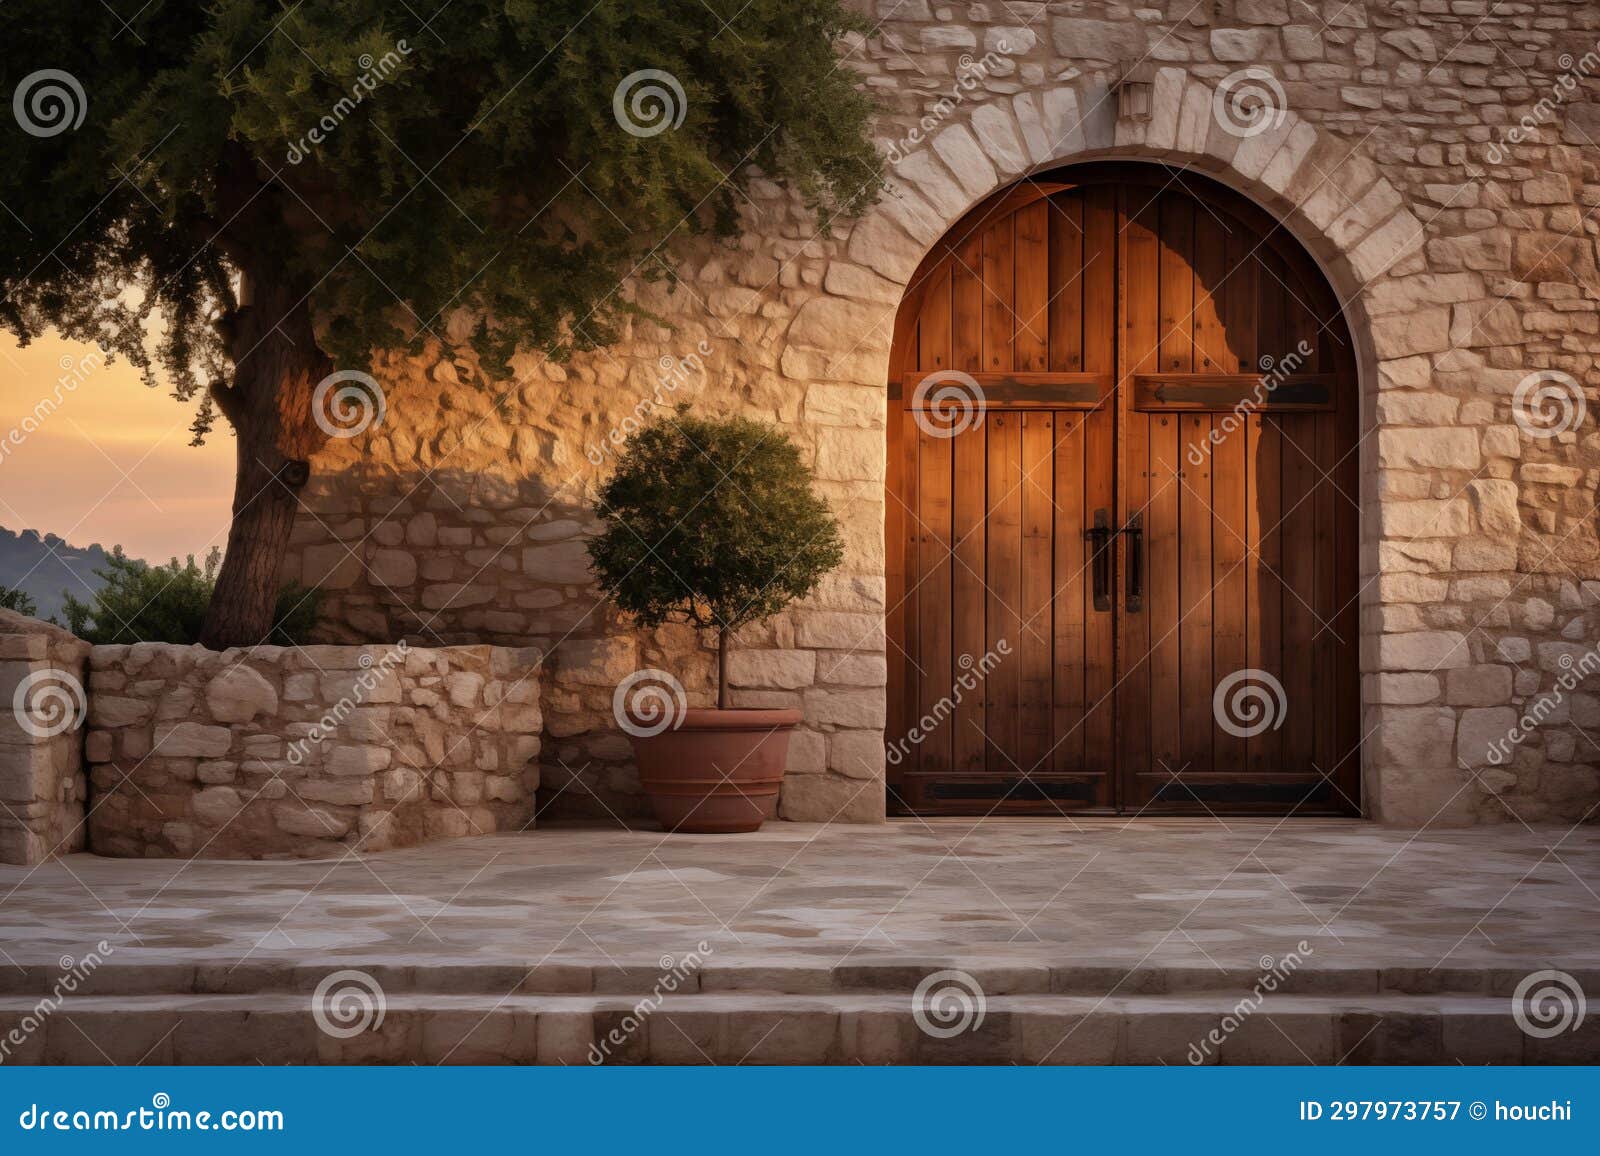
(717, 770)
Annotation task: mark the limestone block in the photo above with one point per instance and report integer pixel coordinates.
(831, 798)
(1450, 518)
(850, 455)
(997, 133)
(834, 630)
(238, 694)
(965, 157)
(1426, 650)
(111, 711)
(560, 562)
(1482, 735)
(355, 759)
(1401, 689)
(216, 806)
(596, 661)
(1486, 685)
(192, 740)
(856, 754)
(395, 568)
(1495, 503)
(844, 709)
(772, 669)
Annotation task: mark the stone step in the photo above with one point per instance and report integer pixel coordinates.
(755, 1027)
(800, 977)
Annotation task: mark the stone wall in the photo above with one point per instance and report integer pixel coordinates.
(42, 787)
(277, 752)
(1436, 156)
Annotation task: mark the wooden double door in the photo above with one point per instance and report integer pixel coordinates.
(1122, 519)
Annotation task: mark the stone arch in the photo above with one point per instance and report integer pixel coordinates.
(1357, 227)
(1324, 189)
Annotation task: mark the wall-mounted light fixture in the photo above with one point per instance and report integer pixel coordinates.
(1134, 86)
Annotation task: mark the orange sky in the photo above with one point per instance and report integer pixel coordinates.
(112, 464)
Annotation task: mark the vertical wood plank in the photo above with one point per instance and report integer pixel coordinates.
(1031, 345)
(1072, 585)
(1263, 592)
(933, 592)
(1177, 284)
(911, 621)
(1138, 698)
(1228, 542)
(1067, 282)
(1100, 280)
(1299, 581)
(1195, 578)
(966, 305)
(1003, 577)
(967, 592)
(1101, 491)
(1035, 644)
(999, 296)
(933, 325)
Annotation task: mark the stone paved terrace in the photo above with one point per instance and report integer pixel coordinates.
(1167, 893)
(1090, 942)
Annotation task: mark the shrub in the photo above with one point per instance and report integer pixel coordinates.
(18, 600)
(713, 523)
(139, 602)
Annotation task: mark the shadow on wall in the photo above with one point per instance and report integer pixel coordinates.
(457, 558)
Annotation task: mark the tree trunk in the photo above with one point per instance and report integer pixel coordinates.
(722, 668)
(277, 367)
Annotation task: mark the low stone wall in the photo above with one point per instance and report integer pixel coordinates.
(275, 752)
(42, 787)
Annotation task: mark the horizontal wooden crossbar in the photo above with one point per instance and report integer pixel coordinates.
(1083, 391)
(1220, 393)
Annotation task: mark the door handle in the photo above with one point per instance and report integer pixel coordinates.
(1099, 538)
(1135, 534)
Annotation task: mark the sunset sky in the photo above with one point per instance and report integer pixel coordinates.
(113, 463)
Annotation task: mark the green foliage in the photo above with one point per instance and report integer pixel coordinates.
(18, 600)
(144, 603)
(474, 158)
(711, 522)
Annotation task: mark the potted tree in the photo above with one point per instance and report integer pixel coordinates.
(714, 523)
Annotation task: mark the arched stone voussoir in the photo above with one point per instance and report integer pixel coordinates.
(1325, 189)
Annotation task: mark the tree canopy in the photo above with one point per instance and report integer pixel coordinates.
(188, 184)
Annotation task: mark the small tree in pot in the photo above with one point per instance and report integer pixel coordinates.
(710, 522)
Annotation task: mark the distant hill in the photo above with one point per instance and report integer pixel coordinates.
(45, 566)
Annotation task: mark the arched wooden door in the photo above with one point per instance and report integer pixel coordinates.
(1122, 519)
